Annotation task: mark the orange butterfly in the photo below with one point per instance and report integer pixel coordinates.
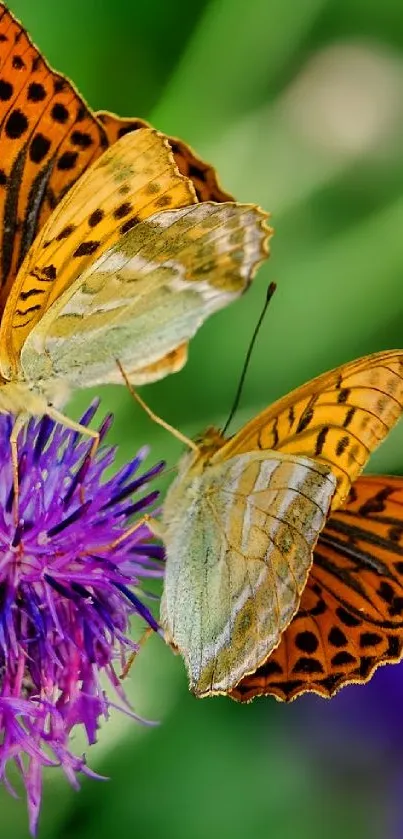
(136, 241)
(242, 602)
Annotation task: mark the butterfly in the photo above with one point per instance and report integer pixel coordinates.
(116, 241)
(242, 602)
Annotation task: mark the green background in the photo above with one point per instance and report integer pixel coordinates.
(298, 103)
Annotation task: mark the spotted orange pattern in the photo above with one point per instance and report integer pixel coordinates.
(48, 139)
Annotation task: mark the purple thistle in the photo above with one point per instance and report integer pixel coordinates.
(67, 573)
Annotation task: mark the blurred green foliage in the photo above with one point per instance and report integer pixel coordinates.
(299, 107)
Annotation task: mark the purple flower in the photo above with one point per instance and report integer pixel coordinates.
(67, 573)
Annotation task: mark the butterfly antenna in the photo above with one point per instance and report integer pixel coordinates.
(270, 291)
(154, 417)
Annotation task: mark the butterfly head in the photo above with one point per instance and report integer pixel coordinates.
(209, 441)
(194, 462)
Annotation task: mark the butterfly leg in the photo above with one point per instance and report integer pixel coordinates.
(130, 661)
(82, 429)
(153, 525)
(17, 427)
(154, 417)
(75, 426)
(154, 626)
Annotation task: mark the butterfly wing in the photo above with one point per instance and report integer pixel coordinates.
(239, 539)
(172, 362)
(202, 175)
(132, 180)
(350, 619)
(338, 418)
(146, 296)
(48, 138)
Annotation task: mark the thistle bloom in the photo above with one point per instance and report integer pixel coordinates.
(67, 573)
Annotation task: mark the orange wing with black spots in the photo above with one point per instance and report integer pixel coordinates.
(350, 618)
(48, 138)
(338, 418)
(136, 178)
(202, 175)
